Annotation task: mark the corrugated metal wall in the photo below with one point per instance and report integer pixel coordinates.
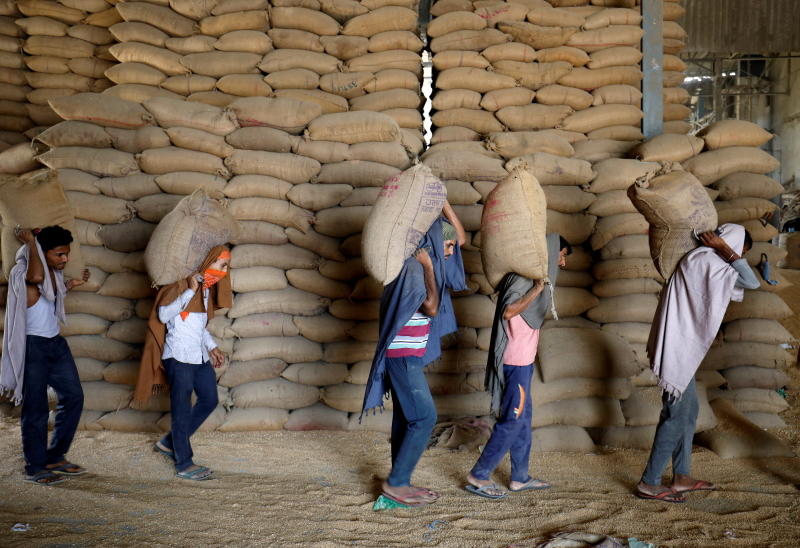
(742, 26)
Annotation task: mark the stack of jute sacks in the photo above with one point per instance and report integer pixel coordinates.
(676, 97)
(748, 353)
(66, 52)
(14, 118)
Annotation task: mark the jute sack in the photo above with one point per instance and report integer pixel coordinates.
(669, 148)
(756, 330)
(469, 40)
(161, 17)
(276, 393)
(750, 185)
(617, 94)
(74, 133)
(562, 389)
(513, 227)
(592, 353)
(18, 159)
(35, 202)
(357, 173)
(625, 308)
(614, 226)
(617, 287)
(100, 348)
(251, 371)
(619, 174)
(138, 140)
(501, 98)
(494, 13)
(479, 121)
(512, 144)
(162, 59)
(185, 235)
(566, 54)
(675, 204)
(734, 133)
(465, 166)
(109, 308)
(746, 376)
(131, 420)
(288, 349)
(746, 353)
(323, 328)
(171, 159)
(288, 301)
(739, 210)
(590, 79)
(632, 246)
(317, 417)
(612, 202)
(104, 396)
(316, 373)
(567, 199)
(589, 412)
(288, 167)
(406, 208)
(254, 419)
(534, 116)
(532, 75)
(454, 21)
(555, 94)
(263, 325)
(573, 301)
(561, 438)
(536, 36)
(99, 209)
(757, 400)
(614, 57)
(737, 437)
(626, 269)
(713, 165)
(510, 51)
(105, 162)
(102, 109)
(474, 79)
(550, 169)
(574, 227)
(353, 127)
(84, 324)
(346, 397)
(173, 113)
(250, 17)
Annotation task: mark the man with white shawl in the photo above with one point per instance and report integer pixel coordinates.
(687, 319)
(36, 356)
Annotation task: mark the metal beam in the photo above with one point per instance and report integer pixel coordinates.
(653, 68)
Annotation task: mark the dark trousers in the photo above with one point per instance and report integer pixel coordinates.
(413, 417)
(186, 419)
(512, 431)
(674, 436)
(48, 362)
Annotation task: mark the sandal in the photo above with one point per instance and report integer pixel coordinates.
(699, 485)
(532, 484)
(201, 473)
(158, 447)
(484, 491)
(664, 496)
(413, 500)
(67, 468)
(45, 477)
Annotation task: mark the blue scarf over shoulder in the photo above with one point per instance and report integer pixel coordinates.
(403, 297)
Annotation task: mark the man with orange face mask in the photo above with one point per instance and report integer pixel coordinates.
(179, 351)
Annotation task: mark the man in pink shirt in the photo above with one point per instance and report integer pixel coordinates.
(522, 305)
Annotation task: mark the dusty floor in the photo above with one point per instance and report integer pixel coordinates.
(317, 489)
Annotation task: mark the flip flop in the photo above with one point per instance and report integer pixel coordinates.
(45, 477)
(67, 468)
(405, 502)
(664, 496)
(482, 491)
(699, 485)
(158, 448)
(532, 484)
(201, 473)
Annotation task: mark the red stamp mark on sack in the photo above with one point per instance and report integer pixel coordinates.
(388, 190)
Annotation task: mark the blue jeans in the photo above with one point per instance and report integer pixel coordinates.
(48, 361)
(186, 419)
(512, 431)
(413, 418)
(674, 436)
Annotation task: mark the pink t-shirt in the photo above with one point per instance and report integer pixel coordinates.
(523, 341)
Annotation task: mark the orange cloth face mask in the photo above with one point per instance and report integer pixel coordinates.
(211, 276)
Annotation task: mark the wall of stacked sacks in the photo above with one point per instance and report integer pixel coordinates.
(213, 91)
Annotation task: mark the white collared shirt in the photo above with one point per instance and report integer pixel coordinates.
(188, 340)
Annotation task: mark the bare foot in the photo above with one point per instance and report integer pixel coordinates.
(682, 483)
(494, 490)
